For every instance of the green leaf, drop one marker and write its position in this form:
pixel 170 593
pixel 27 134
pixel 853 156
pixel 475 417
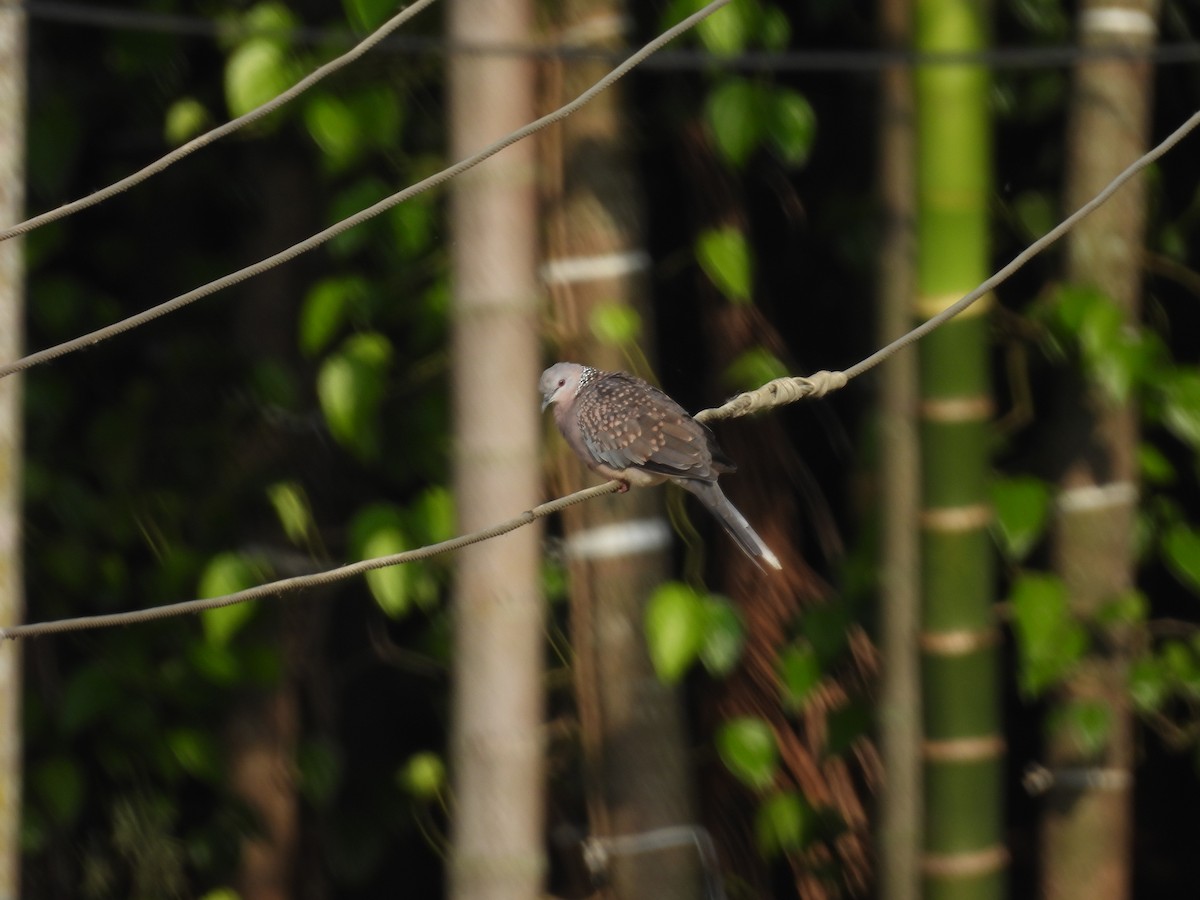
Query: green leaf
pixel 1148 684
pixel 432 516
pixel 423 776
pixel 726 31
pixel 1086 725
pixel 335 129
pixel 197 754
pixel 1130 607
pixel 1181 405
pixel 222 893
pixel 368 15
pixel 291 507
pixel 59 786
pixel 775 29
pixel 799 673
pixel 350 387
pixel 255 72
pixel 1181 547
pixel 724 636
pixel 1022 506
pixel 378 530
pixel 747 747
pixel 782 824
pixel 737 112
pixel 1049 640
pixel 791 126
pixel 326 308
pixel 413 223
pixel 228 573
pixel 725 257
pixel 753 369
pixel 363 193
pixel 675 620
pixel 185 119
pixel 1154 466
pixel 615 324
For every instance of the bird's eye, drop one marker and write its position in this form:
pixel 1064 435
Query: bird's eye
pixel 561 382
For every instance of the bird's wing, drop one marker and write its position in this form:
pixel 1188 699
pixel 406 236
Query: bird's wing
pixel 625 422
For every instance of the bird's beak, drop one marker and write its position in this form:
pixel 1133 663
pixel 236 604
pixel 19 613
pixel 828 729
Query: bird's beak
pixel 545 403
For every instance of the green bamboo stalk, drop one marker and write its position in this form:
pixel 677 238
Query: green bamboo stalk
pixel 962 749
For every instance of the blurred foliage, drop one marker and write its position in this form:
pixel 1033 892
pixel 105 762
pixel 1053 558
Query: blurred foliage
pixel 242 443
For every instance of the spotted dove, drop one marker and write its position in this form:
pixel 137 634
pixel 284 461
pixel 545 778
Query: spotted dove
pixel 632 432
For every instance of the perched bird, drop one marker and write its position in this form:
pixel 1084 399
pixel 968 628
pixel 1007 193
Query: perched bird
pixel 632 432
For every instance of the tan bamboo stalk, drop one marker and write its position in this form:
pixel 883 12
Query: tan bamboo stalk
pixel 12 296
pixel 496 750
pixel 636 768
pixel 1086 821
pixel 899 828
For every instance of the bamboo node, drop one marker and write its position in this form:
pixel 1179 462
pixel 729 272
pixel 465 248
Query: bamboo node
pixel 965 749
pixel 967 864
pixel 958 643
pixel 1039 779
pixel 956 518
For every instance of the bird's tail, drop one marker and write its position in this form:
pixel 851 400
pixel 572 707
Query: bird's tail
pixel 735 523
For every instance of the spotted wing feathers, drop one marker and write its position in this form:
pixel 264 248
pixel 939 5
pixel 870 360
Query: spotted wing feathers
pixel 625 422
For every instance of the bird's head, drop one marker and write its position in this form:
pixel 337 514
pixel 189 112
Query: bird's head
pixel 560 383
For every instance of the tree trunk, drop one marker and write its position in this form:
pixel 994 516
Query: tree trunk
pixel 12 203
pixel 899 829
pixel 1086 827
pixel 963 747
pixel 497 728
pixel 637 773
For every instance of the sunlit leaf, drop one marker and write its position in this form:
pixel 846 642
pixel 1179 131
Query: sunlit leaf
pixel 747 747
pixel 228 573
pixel 350 387
pixel 1181 547
pixel 675 621
pixel 423 776
pixel 254 73
pixel 185 119
pixel 737 115
pixel 326 308
pixel 754 368
pixel 368 15
pixel 615 324
pixel 726 259
pixel 335 129
pixel 1049 639
pixel 726 31
pixel 378 530
pixel 1181 413
pixel 432 515
pixel 782 824
pixel 791 126
pixel 291 507
pixel 724 636
pixel 1022 506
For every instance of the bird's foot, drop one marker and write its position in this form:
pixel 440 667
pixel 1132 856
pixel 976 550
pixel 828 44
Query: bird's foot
pixel 624 486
